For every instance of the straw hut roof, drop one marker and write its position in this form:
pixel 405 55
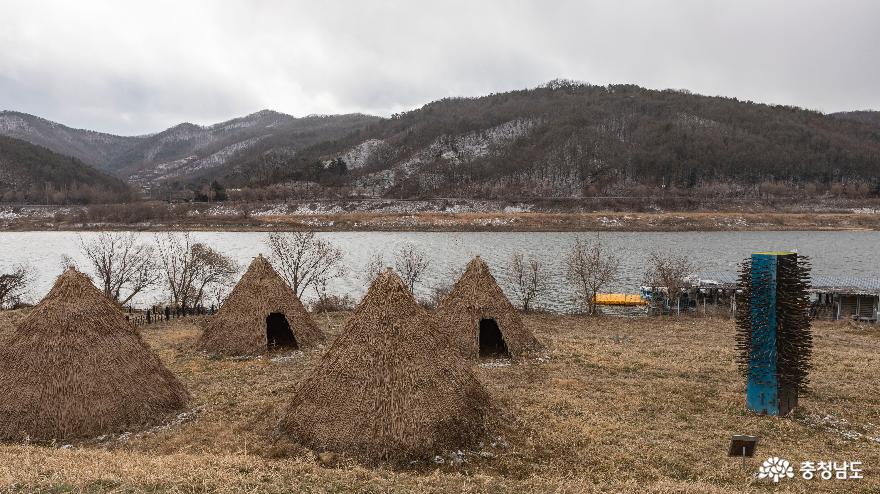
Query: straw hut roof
pixel 239 327
pixel 476 296
pixel 75 368
pixel 389 388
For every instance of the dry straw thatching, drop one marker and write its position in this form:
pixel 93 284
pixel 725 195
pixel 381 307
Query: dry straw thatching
pixel 389 388
pixel 75 368
pixel 477 296
pixel 239 327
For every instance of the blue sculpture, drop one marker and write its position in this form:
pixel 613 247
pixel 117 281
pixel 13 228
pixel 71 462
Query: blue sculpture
pixel 774 330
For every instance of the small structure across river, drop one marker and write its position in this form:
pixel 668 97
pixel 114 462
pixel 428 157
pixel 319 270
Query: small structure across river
pixel 831 297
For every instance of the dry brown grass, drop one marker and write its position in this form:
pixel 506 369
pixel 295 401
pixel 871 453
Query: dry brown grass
pixel 736 219
pixel 620 406
pixel 699 221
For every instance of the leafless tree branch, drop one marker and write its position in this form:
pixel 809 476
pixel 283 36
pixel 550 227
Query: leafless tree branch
pixel 305 260
pixel 669 272
pixel 589 267
pixel 122 266
pixel 192 270
pixel 14 284
pixel 373 267
pixel 528 278
pixel 411 263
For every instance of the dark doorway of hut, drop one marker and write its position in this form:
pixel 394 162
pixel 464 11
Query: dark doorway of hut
pixel 279 336
pixel 492 344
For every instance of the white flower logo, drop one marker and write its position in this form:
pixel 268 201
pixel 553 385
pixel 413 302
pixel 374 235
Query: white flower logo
pixel 775 468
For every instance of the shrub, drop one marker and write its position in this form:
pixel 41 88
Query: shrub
pixel 333 303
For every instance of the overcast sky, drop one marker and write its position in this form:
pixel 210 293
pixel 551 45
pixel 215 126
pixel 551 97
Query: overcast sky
pixel 135 67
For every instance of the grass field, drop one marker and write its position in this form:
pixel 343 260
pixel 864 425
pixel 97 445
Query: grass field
pixel 617 405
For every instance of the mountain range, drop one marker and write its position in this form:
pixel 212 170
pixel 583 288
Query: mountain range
pixel 185 151
pixel 563 139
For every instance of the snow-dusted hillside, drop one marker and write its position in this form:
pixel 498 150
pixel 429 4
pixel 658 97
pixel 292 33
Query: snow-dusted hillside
pixel 358 156
pixel 190 165
pixel 203 147
pixel 94 148
pixel 190 151
pixel 458 150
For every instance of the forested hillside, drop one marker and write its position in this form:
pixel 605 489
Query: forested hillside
pixel 569 140
pixel 868 117
pixel 34 174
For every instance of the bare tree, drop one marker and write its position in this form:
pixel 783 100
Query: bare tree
pixel 305 260
pixel 669 272
pixel 411 264
pixel 192 270
pixel 374 266
pixel 14 284
pixel 216 294
pixel 589 267
pixel 528 279
pixel 122 266
pixel 66 262
pixel 214 273
pixel 438 293
pixel 444 285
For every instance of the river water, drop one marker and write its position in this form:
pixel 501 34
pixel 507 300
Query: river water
pixel 832 253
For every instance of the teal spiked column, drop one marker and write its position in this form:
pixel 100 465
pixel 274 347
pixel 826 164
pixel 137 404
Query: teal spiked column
pixel 774 335
pixel 763 384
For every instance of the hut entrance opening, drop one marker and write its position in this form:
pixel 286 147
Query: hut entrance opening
pixel 278 332
pixel 492 344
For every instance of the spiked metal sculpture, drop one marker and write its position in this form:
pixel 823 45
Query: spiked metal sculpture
pixel 773 335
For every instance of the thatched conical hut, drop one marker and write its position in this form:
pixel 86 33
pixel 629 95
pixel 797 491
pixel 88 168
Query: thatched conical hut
pixel 389 388
pixel 482 319
pixel 75 368
pixel 260 314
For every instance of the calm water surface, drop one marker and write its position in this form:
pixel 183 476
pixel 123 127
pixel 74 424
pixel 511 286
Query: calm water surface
pixel 832 253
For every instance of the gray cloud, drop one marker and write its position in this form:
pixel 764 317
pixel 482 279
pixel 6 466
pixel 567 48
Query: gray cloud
pixel 132 68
